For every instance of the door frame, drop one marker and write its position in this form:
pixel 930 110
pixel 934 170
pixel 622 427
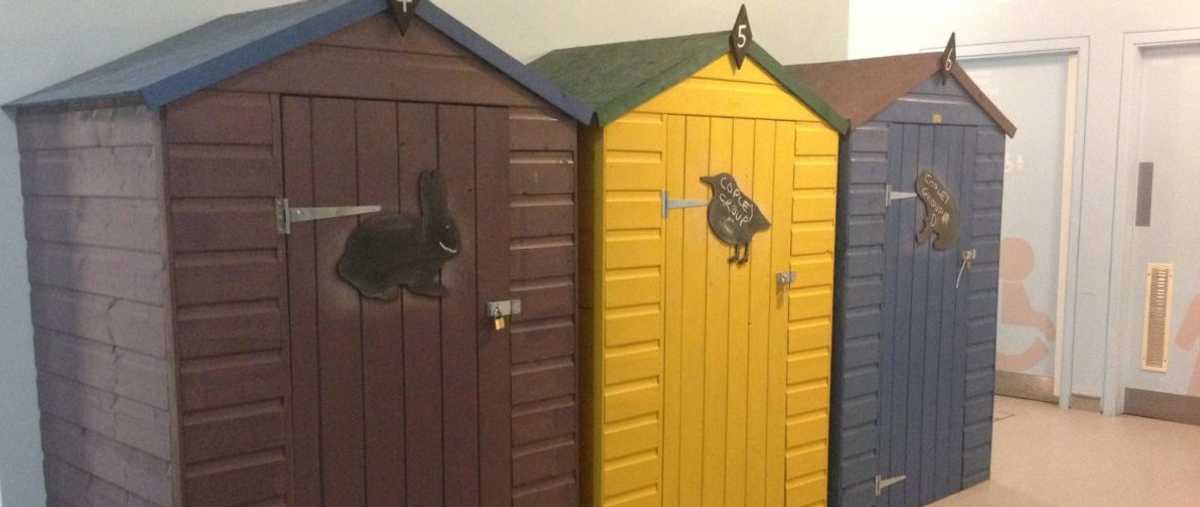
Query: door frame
pixel 1077 50
pixel 1120 346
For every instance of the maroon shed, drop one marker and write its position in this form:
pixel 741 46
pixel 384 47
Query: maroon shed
pixel 191 353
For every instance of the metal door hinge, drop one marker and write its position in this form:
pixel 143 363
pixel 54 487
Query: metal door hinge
pixel 882 484
pixel 669 204
pixel 285 215
pixel 893 195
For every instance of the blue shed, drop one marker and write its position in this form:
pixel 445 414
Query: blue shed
pixel 914 317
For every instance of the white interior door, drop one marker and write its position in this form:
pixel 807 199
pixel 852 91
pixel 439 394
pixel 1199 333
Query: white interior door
pixel 1168 136
pixel 1038 93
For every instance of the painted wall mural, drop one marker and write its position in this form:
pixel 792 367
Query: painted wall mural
pixel 1019 319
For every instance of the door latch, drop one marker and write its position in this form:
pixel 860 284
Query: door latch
pixel 286 215
pixel 502 311
pixel 968 259
pixel 785 279
pixel 882 484
pixel 892 195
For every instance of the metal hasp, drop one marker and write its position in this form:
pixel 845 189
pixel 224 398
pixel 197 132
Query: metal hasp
pixel 285 215
pixel 669 204
pixel 501 311
pixel 785 279
pixel 882 484
pixel 968 259
pixel 893 195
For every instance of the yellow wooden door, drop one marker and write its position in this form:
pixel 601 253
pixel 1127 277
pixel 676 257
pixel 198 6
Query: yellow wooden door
pixel 715 380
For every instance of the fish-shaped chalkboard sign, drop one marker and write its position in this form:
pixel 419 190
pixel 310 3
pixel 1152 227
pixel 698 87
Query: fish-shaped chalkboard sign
pixel 941 212
pixel 393 251
pixel 733 217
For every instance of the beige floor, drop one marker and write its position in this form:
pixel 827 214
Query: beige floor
pixel 1046 456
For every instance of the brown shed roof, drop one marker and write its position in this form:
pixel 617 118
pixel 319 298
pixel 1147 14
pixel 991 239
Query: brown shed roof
pixel 861 89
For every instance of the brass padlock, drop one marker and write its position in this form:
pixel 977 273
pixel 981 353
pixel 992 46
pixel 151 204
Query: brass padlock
pixel 499 322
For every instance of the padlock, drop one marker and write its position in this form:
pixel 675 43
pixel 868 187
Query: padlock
pixel 499 322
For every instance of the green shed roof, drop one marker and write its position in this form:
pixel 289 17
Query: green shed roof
pixel 617 78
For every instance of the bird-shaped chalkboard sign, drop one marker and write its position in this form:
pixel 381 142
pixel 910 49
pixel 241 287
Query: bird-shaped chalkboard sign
pixel 941 212
pixel 393 251
pixel 732 216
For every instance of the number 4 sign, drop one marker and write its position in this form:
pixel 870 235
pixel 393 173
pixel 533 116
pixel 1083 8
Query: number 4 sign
pixel 741 37
pixel 404 11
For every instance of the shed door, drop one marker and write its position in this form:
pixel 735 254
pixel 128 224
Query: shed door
pixel 407 401
pixel 922 387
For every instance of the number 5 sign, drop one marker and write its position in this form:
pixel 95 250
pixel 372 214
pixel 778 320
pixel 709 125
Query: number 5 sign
pixel 741 37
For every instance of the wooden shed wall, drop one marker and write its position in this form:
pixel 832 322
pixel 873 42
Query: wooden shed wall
pixel 224 168
pixel 93 190
pixel 860 289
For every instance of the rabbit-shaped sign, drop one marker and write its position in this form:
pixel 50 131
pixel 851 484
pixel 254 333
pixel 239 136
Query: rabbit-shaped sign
pixel 393 251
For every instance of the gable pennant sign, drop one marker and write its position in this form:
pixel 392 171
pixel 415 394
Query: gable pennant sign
pixel 404 11
pixel 741 37
pixel 949 58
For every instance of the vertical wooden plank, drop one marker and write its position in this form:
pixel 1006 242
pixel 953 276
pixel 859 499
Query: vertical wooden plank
pixel 695 266
pixel 946 359
pixel 936 298
pixel 739 329
pixel 339 327
pixel 417 138
pixel 339 323
pixel 761 295
pixel 383 323
pixel 495 364
pixel 957 402
pixel 302 311
pixel 889 400
pixel 460 382
pixel 777 349
pixel 716 333
pixel 916 383
pixel 907 217
pixel 676 158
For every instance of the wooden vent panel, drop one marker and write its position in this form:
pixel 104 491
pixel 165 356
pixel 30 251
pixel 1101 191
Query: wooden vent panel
pixel 1158 316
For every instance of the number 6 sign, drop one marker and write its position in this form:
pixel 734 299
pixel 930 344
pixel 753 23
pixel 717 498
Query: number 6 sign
pixel 741 37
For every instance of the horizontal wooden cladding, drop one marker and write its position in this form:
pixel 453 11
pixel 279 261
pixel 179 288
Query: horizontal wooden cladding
pixel 544 460
pixel 126 467
pixel 543 380
pixel 543 340
pixel 221 118
pixel 208 225
pixel 230 380
pixel 542 258
pixel 125 324
pixel 259 477
pixel 128 374
pixel 213 330
pixel 539 216
pixel 121 419
pixel 541 173
pixel 233 431
pixel 68 485
pixel 127 224
pixel 323 70
pixel 542 130
pixel 123 126
pixel 123 171
pixel 544 299
pixel 135 276
pixel 227 277
pixel 562 491
pixel 207 170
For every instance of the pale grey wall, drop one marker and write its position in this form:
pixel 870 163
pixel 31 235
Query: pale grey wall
pixel 881 27
pixel 45 41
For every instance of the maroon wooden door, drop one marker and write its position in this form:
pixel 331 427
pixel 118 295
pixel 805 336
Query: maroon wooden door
pixel 406 402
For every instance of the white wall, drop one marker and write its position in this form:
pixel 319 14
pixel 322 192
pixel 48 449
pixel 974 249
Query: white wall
pixel 880 27
pixel 43 42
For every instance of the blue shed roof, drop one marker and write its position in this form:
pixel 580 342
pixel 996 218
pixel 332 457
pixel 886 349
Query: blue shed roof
pixel 194 60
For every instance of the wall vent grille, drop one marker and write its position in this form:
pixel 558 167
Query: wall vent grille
pixel 1159 279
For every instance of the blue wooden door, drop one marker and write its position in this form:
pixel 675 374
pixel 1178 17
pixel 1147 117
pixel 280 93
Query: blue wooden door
pixel 922 356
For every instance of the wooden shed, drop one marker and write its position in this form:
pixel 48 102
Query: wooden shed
pixel 914 345
pixel 708 381
pixel 191 352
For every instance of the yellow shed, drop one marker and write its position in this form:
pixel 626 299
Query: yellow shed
pixel 706 380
